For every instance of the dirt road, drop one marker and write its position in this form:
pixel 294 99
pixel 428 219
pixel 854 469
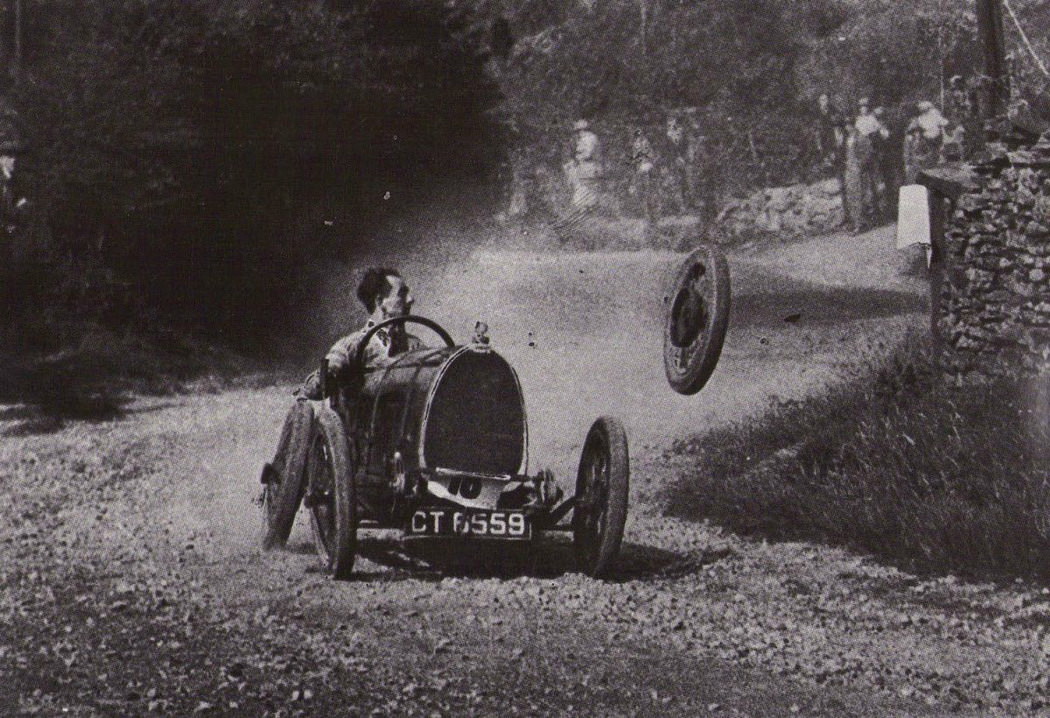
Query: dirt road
pixel 132 582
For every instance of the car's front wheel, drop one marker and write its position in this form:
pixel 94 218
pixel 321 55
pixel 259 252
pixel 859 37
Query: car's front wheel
pixel 602 485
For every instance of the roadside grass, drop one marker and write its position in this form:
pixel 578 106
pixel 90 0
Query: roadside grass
pixel 894 461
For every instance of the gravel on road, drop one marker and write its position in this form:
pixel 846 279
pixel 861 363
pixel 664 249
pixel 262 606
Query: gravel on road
pixel 131 582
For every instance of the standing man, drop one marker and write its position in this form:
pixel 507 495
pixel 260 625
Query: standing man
pixel 830 137
pixel 643 164
pixel 676 163
pixel 705 186
pixel 932 123
pixel 854 151
pixel 586 166
pixel 870 134
pixel 583 173
pixel 887 160
pixel 10 148
pixel 915 152
pixel 923 150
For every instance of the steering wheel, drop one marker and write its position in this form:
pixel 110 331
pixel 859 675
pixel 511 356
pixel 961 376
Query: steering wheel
pixel 430 324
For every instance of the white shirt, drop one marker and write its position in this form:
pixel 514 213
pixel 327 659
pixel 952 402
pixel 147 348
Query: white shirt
pixel 932 123
pixel 868 125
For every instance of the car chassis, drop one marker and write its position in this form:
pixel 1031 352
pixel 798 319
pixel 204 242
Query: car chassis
pixel 435 443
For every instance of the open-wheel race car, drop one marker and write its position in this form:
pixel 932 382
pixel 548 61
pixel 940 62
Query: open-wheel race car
pixel 435 443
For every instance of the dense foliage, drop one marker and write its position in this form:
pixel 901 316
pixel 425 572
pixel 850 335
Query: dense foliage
pixel 186 154
pixel 749 71
pixel 188 157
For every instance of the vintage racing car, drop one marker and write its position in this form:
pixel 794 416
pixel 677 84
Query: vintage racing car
pixel 436 444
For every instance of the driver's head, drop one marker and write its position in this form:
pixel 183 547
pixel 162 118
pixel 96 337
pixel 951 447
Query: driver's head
pixel 383 289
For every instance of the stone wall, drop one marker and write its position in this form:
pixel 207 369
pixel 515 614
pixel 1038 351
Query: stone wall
pixel 994 309
pixel 794 210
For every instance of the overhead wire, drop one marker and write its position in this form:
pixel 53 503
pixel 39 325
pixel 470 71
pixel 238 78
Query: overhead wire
pixel 1024 38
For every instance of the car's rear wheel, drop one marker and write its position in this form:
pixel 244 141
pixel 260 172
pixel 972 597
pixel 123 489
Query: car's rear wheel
pixel 602 485
pixel 283 477
pixel 332 495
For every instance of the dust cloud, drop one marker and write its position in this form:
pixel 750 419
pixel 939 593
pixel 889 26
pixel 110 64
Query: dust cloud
pixel 584 333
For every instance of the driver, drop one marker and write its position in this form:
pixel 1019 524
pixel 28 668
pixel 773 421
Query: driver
pixel 385 294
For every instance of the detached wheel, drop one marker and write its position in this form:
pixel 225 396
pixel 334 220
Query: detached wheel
pixel 697 318
pixel 332 495
pixel 602 483
pixel 283 477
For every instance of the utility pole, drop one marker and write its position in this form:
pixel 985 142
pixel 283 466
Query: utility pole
pixel 996 91
pixel 643 9
pixel 16 65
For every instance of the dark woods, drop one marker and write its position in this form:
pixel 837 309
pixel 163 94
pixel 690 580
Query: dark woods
pixel 187 158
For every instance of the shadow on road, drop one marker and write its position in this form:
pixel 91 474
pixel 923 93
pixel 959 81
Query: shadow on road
pixel 48 418
pixel 552 557
pixel 781 299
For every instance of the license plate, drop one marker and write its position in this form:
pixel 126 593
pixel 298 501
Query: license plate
pixel 513 525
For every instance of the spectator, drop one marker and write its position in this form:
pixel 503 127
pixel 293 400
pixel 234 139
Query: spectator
pixel 867 123
pixel 887 160
pixel 856 147
pixel 961 101
pixel 911 151
pixel 892 159
pixel 962 136
pixel 924 150
pixel 11 204
pixel 584 169
pixel 830 136
pixel 694 147
pixel 871 133
pixel 675 164
pixel 932 123
pixel 919 152
pixel 954 143
pixel 583 173
pixel 706 184
pixel 643 181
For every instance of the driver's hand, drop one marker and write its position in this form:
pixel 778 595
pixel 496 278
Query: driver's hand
pixel 311 388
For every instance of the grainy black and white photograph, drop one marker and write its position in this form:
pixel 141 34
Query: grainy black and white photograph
pixel 524 358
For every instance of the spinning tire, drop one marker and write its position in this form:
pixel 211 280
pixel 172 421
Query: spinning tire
pixel 697 318
pixel 602 485
pixel 283 477
pixel 333 500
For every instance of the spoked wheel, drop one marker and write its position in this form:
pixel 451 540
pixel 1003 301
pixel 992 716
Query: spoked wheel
pixel 602 484
pixel 697 319
pixel 283 477
pixel 332 495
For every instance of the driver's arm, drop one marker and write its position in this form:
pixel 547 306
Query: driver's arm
pixel 339 355
pixel 338 359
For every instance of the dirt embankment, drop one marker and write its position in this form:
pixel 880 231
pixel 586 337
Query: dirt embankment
pixel 132 582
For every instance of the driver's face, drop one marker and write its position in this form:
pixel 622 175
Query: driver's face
pixel 398 302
